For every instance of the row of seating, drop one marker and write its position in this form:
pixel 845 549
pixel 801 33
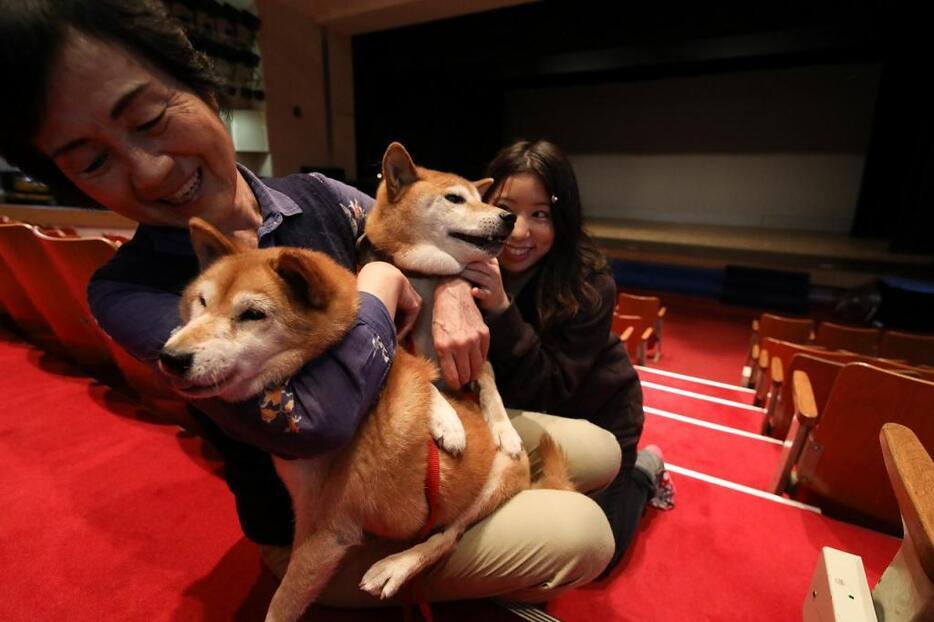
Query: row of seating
pixel 638 322
pixel 830 457
pixel 44 274
pixel 828 406
pixel 909 348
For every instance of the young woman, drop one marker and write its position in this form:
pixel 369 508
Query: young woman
pixel 110 99
pixel 549 301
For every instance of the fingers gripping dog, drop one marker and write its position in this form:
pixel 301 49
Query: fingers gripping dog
pixel 430 225
pixel 254 318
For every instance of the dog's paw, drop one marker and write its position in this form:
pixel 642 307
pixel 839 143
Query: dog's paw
pixel 448 432
pixel 507 438
pixel 385 577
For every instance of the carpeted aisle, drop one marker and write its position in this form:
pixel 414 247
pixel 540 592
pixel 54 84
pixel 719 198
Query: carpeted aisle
pixel 721 556
pixel 105 516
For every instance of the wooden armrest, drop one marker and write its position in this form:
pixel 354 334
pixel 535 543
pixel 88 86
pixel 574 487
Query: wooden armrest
pixel 763 359
pixel 626 334
pixel 911 472
pixel 755 351
pixel 755 326
pixel 661 312
pixel 803 396
pixel 778 372
pixel 647 334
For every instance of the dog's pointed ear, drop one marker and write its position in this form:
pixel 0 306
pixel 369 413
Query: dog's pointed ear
pixel 209 243
pixel 398 170
pixel 482 185
pixel 304 278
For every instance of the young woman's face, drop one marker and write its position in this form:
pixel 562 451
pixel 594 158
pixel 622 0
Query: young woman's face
pixel 534 233
pixel 135 141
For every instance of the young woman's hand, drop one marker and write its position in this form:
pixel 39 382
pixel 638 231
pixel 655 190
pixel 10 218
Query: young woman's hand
pixel 488 285
pixel 387 283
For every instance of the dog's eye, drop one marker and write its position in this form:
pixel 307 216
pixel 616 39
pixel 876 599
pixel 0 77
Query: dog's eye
pixel 251 315
pixel 201 300
pixel 455 198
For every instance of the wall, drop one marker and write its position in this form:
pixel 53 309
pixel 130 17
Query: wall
pixel 291 46
pixel 779 148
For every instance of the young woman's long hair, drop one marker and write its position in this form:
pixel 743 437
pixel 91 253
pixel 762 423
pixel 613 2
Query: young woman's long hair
pixel 573 260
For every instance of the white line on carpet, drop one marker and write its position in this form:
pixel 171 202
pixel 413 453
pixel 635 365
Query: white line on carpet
pixel 698 380
pixel 701 396
pixel 755 492
pixel 708 424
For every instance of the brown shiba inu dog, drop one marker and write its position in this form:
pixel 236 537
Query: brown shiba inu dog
pixel 432 224
pixel 251 320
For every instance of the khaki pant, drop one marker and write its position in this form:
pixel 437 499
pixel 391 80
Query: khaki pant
pixel 537 545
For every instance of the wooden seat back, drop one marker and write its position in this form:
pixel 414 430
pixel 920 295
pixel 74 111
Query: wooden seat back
pixel 840 467
pixel 16 304
pixel 913 348
pixel 635 331
pixel 850 338
pixel 795 330
pixel 782 354
pixel 77 259
pixel 30 266
pixel 645 306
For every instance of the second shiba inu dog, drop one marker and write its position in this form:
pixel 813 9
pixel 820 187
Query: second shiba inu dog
pixel 250 321
pixel 430 225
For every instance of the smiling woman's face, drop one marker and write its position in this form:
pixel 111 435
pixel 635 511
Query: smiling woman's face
pixel 137 142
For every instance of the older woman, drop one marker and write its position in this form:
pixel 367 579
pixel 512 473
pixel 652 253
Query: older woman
pixel 110 99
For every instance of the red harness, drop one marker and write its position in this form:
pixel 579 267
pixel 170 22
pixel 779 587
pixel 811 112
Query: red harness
pixel 432 491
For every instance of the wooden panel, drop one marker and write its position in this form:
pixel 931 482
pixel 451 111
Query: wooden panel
pixel 77 259
pixel 911 472
pixel 838 337
pixel 916 349
pixel 841 468
pixel 27 262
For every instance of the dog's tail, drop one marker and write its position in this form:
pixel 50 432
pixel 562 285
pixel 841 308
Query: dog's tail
pixel 555 474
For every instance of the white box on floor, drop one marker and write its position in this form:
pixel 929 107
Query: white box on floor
pixel 839 591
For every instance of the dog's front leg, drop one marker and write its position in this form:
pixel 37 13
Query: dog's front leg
pixel 311 566
pixel 446 427
pixel 495 415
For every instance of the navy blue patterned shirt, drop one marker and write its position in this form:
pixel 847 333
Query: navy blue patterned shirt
pixel 135 298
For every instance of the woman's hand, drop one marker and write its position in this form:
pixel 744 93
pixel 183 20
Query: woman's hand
pixel 488 281
pixel 387 283
pixel 460 335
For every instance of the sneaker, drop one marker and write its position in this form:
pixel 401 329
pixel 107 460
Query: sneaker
pixel 651 462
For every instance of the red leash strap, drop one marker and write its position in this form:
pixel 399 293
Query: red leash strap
pixel 432 492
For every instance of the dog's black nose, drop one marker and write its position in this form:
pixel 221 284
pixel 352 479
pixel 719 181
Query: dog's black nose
pixel 508 217
pixel 176 364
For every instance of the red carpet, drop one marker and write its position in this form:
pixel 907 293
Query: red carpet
pixel 737 416
pixel 107 517
pixel 746 461
pixel 721 556
pixel 704 339
pixel 690 383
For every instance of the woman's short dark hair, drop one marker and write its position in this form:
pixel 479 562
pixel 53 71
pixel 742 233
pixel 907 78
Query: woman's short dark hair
pixel 574 259
pixel 32 35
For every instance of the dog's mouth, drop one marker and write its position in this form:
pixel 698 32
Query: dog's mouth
pixel 193 389
pixel 489 243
